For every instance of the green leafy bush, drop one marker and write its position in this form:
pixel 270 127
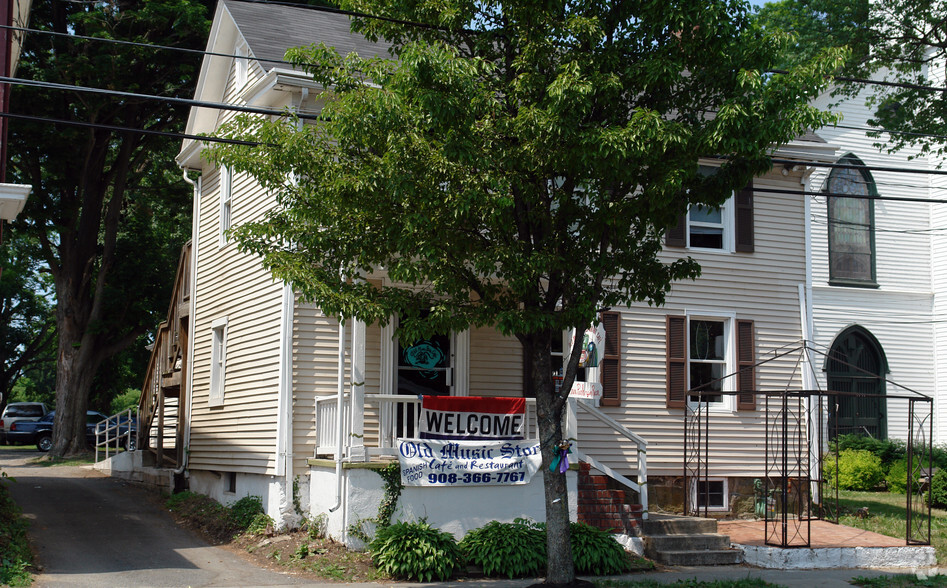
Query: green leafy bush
pixel 506 549
pixel 261 524
pixel 938 489
pixel 897 477
pixel 244 511
pixel 596 552
pixel 888 451
pixel 415 551
pixel 15 555
pixel 858 469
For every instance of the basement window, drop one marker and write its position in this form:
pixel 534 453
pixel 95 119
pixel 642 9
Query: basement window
pixel 231 482
pixel 710 493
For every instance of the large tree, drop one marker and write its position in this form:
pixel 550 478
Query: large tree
pixel 107 208
pixel 903 42
pixel 516 166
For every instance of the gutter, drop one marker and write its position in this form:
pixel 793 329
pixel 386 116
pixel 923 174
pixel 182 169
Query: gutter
pixel 192 323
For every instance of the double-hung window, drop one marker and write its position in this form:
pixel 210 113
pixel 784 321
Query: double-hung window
pixel 728 227
pixel 226 203
pixel 218 362
pixel 710 359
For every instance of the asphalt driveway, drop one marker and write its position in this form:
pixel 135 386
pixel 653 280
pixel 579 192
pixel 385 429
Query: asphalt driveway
pixel 92 530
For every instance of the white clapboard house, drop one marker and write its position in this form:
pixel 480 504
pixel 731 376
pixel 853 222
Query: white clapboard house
pixel 252 392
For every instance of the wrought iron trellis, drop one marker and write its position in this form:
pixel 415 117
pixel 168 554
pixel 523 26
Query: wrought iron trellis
pixel 793 489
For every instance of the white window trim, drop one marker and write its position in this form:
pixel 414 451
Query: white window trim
pixel 218 362
pixel 729 401
pixel 726 495
pixel 727 222
pixel 226 204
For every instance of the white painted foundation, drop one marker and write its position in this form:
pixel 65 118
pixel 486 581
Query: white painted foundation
pixel 911 557
pixel 275 493
pixel 455 510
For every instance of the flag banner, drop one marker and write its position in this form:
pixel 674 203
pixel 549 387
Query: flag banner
pixel 472 418
pixel 432 462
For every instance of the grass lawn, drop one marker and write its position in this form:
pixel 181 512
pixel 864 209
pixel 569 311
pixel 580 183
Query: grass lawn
pixel 887 516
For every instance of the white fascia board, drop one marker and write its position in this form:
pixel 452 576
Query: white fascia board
pixel 13 199
pixel 262 93
pixel 807 151
pixel 212 80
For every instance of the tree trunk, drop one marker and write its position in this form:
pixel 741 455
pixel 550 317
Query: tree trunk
pixel 75 368
pixel 560 568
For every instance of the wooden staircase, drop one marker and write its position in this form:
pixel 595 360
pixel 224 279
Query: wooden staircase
pixel 161 408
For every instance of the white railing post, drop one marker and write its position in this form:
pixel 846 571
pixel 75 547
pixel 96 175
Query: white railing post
pixel 356 415
pixel 571 424
pixel 643 481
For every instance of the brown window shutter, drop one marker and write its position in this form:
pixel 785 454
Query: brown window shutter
pixel 676 361
pixel 744 219
pixel 746 364
pixel 676 236
pixel 610 364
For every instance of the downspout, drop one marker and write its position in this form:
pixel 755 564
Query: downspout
pixel 340 417
pixel 192 324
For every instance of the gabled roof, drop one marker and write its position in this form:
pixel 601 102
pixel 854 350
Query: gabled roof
pixel 268 31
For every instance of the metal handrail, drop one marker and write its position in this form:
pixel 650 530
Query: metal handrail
pixel 127 439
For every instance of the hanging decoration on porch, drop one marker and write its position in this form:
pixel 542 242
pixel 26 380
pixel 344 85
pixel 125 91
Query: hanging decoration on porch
pixel 561 461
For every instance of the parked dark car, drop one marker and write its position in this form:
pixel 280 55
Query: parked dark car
pixel 41 432
pixel 19 411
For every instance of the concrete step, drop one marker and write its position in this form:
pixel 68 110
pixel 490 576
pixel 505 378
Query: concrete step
pixel 715 557
pixel 658 524
pixel 701 542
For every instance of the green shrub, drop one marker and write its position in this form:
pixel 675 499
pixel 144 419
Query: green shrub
pixel 415 551
pixel 938 489
pixel 596 552
pixel 260 524
pixel 15 555
pixel 897 477
pixel 858 469
pixel 506 549
pixel 888 451
pixel 244 511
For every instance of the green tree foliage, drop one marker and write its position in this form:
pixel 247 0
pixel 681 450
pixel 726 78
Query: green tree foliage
pixel 517 167
pixel 108 209
pixel 27 322
pixel 900 41
pixel 815 25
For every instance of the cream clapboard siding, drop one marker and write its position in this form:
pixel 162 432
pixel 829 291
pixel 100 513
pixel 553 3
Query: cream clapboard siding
pixel 761 286
pixel 239 436
pixel 315 373
pixel 899 312
pixel 496 364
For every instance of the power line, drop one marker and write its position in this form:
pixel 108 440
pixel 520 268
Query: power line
pixel 851 196
pixel 169 99
pixel 118 129
pixel 849 79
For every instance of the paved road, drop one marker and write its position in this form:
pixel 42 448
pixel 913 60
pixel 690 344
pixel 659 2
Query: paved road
pixel 91 530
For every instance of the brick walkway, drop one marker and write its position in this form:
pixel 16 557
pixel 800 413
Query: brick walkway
pixel 822 534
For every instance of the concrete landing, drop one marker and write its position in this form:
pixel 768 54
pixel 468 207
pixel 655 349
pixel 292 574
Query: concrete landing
pixel 831 546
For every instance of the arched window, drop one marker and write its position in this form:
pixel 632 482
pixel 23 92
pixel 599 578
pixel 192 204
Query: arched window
pixel 851 225
pixel 855 372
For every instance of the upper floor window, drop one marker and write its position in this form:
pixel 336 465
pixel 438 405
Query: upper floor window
pixel 226 202
pixel 728 227
pixel 851 228
pixel 241 65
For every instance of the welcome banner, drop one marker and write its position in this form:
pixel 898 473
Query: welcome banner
pixel 472 418
pixel 430 462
